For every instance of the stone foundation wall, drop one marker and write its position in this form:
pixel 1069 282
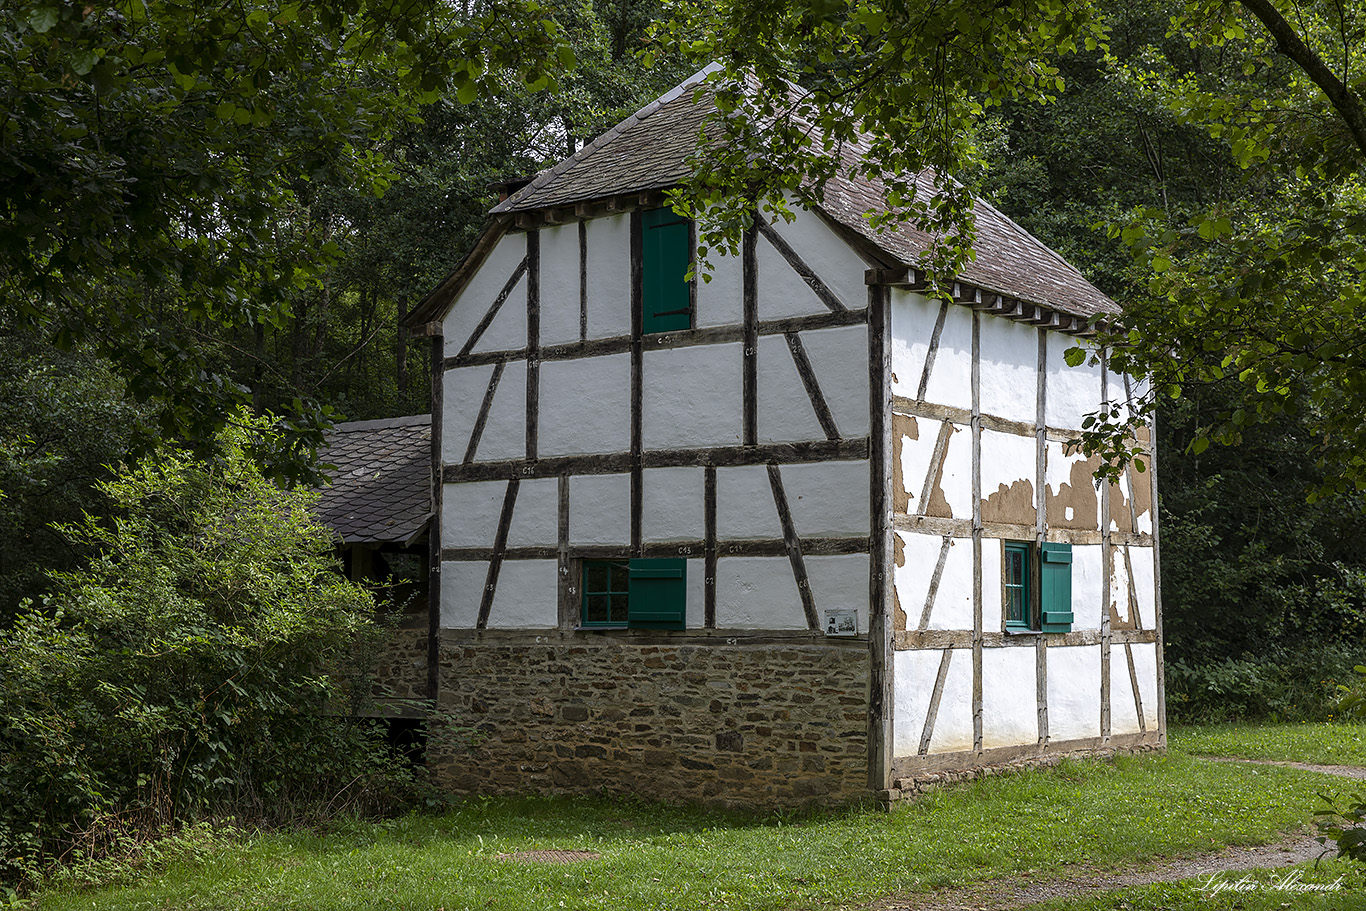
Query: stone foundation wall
pixel 400 675
pixel 725 721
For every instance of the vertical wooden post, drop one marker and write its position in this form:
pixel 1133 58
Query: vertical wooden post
pixel 879 539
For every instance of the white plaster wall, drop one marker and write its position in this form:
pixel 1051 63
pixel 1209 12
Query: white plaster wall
pixel 560 284
pixel 744 504
pixel 462 586
pixel 674 504
pixel 692 396
pixel 951 378
pixel 462 396
pixel 526 596
pixel 609 276
pixel 757 593
pixel 1145 665
pixel 600 509
pixel 1010 356
pixel 1141 558
pixel 784 410
pixel 1009 704
pixel 1059 469
pixel 839 581
pixel 721 300
pixel 1088 592
pixel 1006 459
pixel 913 685
pixel 782 292
pixel 839 358
pixel 473 302
pixel 585 406
pixel 1119 584
pixel 1142 482
pixel 956 478
pixel 536 514
pixel 827 498
pixel 1073 392
pixel 504 434
pixel 470 511
pixel 1123 717
pixel 508 331
pixel 993 599
pixel 1073 691
pixel 953 600
pixel 913 319
pixel 827 254
pixel 695 612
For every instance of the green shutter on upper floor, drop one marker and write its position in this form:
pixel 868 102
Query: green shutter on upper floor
pixel 659 596
pixel 666 250
pixel 1055 587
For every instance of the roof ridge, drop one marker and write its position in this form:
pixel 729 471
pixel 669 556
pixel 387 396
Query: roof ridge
pixel 406 420
pixel 604 138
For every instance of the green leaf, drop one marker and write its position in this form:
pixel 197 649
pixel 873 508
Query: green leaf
pixel 44 19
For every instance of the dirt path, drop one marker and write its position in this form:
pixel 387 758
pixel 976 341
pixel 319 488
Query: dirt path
pixel 1022 892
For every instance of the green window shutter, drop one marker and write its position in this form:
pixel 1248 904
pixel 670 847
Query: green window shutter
pixel 1055 584
pixel 658 593
pixel 666 249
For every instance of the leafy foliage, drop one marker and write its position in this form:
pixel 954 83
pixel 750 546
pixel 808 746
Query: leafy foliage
pixel 184 668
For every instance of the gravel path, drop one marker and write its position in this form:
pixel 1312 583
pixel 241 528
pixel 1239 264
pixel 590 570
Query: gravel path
pixel 1022 892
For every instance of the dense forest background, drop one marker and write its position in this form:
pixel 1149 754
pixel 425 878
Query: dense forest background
pixel 119 340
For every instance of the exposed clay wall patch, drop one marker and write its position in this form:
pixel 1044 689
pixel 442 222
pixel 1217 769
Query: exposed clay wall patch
pixel 1012 505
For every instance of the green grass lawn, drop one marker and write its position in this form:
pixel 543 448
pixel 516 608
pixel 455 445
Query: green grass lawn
pixel 1327 743
pixel 1105 814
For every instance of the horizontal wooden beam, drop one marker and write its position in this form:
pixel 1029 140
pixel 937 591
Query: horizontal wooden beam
pixel 756 547
pixel 934 639
pixel 939 526
pixel 620 462
pixel 909 767
pixel 712 638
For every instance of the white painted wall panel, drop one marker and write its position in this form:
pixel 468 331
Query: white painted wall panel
pixel 782 292
pixel 473 302
pixel 600 509
pixel 462 586
pixel 674 504
pixel 784 409
pixel 1010 356
pixel 507 332
pixel 720 301
pixel 956 478
pixel 913 319
pixel 470 511
pixel 1088 592
pixel 526 595
pixel 1073 692
pixel 536 515
pixel 993 600
pixel 1145 665
pixel 953 599
pixel 585 406
pixel 1119 584
pixel 757 593
pixel 953 724
pixel 1073 392
pixel 1008 469
pixel 827 498
pixel 609 276
pixel 560 284
pixel 1123 717
pixel 1141 558
pixel 840 581
pixel 462 397
pixel 913 674
pixel 504 434
pixel 828 255
pixel 744 504
pixel 951 379
pixel 915 459
pixel 839 358
pixel 692 396
pixel 695 612
pixel 1009 704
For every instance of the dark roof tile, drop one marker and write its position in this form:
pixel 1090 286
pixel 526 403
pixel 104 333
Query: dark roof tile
pixel 381 486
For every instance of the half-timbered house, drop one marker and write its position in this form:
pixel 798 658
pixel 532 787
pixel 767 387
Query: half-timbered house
pixel 796 534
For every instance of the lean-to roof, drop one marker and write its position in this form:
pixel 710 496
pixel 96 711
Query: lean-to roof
pixel 381 488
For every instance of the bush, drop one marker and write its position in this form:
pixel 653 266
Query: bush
pixel 1283 684
pixel 182 672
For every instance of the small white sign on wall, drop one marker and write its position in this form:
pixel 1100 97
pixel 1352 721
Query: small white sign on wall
pixel 840 621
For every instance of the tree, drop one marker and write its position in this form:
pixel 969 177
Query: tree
pixel 1261 289
pixel 145 148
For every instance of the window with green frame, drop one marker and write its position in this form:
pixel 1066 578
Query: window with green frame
pixel 635 594
pixel 1036 586
pixel 666 257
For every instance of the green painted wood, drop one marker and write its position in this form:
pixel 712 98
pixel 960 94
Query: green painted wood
pixel 1018 582
pixel 666 257
pixel 1055 587
pixel 659 596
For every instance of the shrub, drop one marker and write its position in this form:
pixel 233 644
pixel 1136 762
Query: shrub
pixel 183 671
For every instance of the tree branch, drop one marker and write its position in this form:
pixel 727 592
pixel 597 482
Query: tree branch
pixel 1291 45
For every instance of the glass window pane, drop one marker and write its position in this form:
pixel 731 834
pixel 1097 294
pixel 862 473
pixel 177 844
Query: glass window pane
pixel 596 609
pixel 595 577
pixel 621 577
pixel 619 609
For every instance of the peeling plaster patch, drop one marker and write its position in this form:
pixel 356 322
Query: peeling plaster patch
pixel 1118 601
pixel 1143 497
pixel 1013 504
pixel 1120 520
pixel 954 487
pixel 898 615
pixel 1075 502
pixel 904 428
pixel 1008 466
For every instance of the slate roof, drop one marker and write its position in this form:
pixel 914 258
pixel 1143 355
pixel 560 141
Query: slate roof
pixel 649 151
pixel 381 486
